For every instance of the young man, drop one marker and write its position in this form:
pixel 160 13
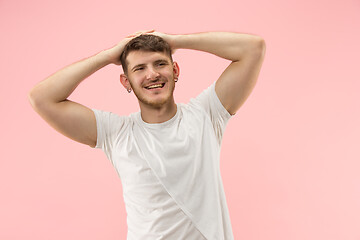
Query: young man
pixel 167 155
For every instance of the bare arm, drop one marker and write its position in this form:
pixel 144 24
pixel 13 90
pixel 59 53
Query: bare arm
pixel 49 97
pixel 246 53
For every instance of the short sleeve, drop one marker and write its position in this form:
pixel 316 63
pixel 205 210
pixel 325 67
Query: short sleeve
pixel 212 105
pixel 109 126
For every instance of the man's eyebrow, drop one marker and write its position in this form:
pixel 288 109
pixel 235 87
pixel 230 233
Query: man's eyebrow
pixel 139 65
pixel 155 62
pixel 161 60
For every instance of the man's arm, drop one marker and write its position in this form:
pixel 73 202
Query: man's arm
pixel 246 53
pixel 49 97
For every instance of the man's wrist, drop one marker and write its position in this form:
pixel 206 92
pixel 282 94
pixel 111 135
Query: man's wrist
pixel 103 58
pixel 175 41
pixel 184 41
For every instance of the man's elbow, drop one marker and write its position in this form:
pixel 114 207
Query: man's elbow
pixel 32 97
pixel 36 99
pixel 260 46
pixel 255 49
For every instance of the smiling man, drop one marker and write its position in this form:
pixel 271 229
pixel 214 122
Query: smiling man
pixel 167 154
pixel 150 74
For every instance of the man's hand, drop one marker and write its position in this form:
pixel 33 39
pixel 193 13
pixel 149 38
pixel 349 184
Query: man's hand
pixel 113 54
pixel 169 38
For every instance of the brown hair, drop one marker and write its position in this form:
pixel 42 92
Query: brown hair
pixel 145 42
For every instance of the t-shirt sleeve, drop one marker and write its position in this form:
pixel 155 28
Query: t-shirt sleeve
pixel 109 127
pixel 212 105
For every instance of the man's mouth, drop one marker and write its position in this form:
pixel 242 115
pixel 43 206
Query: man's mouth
pixel 154 86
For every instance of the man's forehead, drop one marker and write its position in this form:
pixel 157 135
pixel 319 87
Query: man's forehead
pixel 142 57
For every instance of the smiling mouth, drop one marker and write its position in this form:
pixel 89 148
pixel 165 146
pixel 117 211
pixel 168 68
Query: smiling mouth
pixel 155 86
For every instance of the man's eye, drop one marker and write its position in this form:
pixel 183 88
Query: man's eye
pixel 140 68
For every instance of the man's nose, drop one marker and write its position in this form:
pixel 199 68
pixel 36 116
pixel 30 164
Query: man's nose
pixel 152 73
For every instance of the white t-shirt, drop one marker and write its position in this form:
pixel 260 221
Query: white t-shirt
pixel 170 171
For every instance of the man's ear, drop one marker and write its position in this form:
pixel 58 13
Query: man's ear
pixel 125 81
pixel 176 70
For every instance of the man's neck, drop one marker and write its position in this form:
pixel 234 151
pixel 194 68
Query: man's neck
pixel 160 114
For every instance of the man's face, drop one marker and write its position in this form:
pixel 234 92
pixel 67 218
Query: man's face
pixel 151 76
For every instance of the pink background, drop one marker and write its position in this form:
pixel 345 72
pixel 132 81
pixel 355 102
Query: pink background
pixel 290 157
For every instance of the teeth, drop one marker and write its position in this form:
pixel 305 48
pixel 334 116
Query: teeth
pixel 154 86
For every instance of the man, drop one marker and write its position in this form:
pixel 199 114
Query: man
pixel 167 155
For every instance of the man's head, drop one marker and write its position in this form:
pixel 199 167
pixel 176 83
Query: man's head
pixel 149 70
pixel 147 43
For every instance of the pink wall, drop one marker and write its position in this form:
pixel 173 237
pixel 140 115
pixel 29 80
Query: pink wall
pixel 290 157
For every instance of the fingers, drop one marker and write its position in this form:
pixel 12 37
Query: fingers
pixel 140 32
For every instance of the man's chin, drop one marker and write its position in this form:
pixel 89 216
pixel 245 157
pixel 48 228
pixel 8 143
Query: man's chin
pixel 154 101
pixel 154 104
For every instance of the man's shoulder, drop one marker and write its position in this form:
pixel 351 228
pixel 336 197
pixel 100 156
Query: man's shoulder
pixel 201 101
pixel 113 114
pixel 192 108
pixel 114 119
